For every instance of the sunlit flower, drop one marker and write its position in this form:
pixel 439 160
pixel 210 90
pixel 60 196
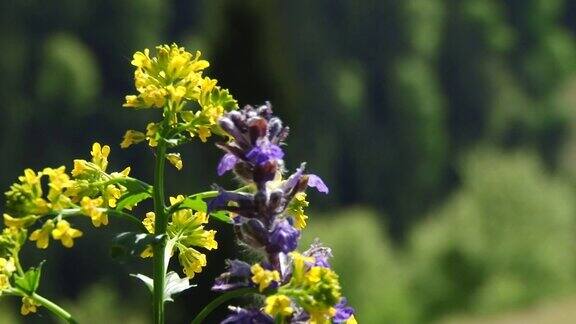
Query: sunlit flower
pixel 65 233
pixel 175 160
pixel 29 305
pixel 262 277
pixel 149 222
pixel 91 208
pixel 192 261
pixel 278 305
pixel 132 137
pixel 42 235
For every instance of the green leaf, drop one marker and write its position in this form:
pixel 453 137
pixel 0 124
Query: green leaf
pixel 132 244
pixel 133 185
pixel 30 281
pixel 174 284
pixel 222 216
pixel 130 200
pixel 194 203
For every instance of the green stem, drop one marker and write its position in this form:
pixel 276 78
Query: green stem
pixel 219 301
pixel 57 310
pixel 161 223
pixel 49 305
pixel 71 212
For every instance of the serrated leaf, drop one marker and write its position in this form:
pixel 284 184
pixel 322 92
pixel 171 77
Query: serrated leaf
pixel 132 244
pixel 130 200
pixel 174 284
pixel 30 281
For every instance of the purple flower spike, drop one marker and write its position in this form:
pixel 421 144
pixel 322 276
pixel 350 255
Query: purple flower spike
pixel 284 238
pixel 314 181
pixel 227 163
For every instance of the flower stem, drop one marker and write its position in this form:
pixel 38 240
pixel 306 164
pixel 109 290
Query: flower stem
pixel 219 301
pixel 161 223
pixel 55 309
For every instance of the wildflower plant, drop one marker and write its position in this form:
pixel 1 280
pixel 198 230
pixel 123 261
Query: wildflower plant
pixel 267 211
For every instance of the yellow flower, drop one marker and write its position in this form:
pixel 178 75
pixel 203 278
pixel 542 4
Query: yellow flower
pixel 278 305
pixel 30 177
pixel 299 266
pixel 19 222
pixel 7 266
pixel 80 167
pixel 132 137
pixel 176 200
pixel 204 133
pixel 147 253
pixel 177 93
pixel 42 235
pixel 100 155
pixel 111 195
pixel 131 102
pixel 263 277
pixel 296 209
pixel 28 306
pixel 142 60
pixel 91 208
pixel 192 261
pixel 351 320
pixel 149 221
pixel 65 233
pixel 151 131
pixel 175 160
pixel 4 282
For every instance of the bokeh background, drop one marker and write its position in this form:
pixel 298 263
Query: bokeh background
pixel 446 130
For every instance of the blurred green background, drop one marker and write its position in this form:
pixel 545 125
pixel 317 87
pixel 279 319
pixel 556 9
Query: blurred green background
pixel 445 129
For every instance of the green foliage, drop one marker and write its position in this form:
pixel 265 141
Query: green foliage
pixel 370 273
pixel 504 240
pixel 68 74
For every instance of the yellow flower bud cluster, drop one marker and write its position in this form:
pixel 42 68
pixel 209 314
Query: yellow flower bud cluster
pixel 314 288
pixel 88 190
pixel 186 232
pixel 173 80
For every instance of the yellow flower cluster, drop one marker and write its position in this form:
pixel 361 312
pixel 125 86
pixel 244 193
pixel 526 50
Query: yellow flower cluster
pixel 89 190
pixel 186 231
pixel 7 267
pixel 62 231
pixel 29 305
pixel 173 80
pixel 316 289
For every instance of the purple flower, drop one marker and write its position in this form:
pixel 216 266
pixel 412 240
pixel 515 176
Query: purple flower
pixel 227 163
pixel 314 181
pixel 247 316
pixel 238 275
pixel 320 253
pixel 343 311
pixel 283 238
